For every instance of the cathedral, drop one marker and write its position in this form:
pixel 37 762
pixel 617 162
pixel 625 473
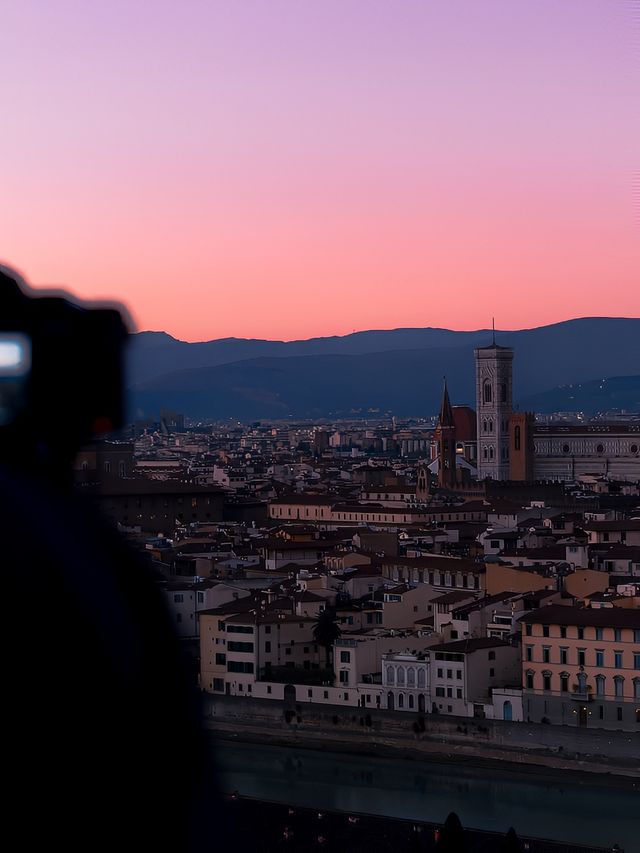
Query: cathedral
pixel 499 444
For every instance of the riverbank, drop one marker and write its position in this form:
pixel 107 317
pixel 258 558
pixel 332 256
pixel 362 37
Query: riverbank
pixel 269 827
pixel 625 772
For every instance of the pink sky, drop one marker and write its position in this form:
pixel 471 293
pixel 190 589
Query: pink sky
pixel 292 168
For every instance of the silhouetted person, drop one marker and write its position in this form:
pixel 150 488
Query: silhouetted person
pixel 102 746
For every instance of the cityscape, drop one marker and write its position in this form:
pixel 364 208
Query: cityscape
pixel 467 582
pixel 320 426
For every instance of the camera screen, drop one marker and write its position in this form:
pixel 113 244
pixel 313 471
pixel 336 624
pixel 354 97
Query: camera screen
pixel 15 365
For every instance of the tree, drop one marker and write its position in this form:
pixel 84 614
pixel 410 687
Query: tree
pixel 326 631
pixel 511 844
pixel 452 838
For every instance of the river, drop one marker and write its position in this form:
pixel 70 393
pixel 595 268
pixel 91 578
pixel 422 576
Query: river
pixel 591 812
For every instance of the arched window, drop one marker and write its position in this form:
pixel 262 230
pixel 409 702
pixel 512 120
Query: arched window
pixel 582 682
pixel 564 682
pixel 391 673
pixel 400 675
pixel 618 681
pixel 529 678
pixel 411 677
pixel 421 678
pixel 490 422
pixel 400 699
pixel 487 392
pixel 107 467
pixel 484 452
pixel 600 682
pixel 85 465
pixel 636 688
pixel 411 700
pixel 516 438
pixel 491 453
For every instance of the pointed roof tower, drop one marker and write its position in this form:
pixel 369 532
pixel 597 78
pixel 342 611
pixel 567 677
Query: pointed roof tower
pixel 446 412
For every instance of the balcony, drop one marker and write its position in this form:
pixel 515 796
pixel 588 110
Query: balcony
pixel 582 696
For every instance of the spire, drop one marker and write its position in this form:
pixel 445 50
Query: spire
pixel 493 327
pixel 446 412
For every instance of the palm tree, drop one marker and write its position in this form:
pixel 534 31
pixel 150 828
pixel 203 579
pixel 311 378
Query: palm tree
pixel 326 631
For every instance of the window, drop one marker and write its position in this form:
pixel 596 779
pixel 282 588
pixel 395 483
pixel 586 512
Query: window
pixel 599 633
pixel 503 392
pixel 527 628
pixel 221 659
pixel 636 688
pixel 390 675
pixel 411 677
pixel 439 691
pixel 582 653
pixel 459 674
pixel 492 672
pixel 617 659
pixel 617 635
pixel 201 598
pixel 401 675
pixel 636 660
pixel 345 657
pixel 563 632
pixel 267 646
pixel 619 710
pixel 492 655
pixel 234 646
pixel 545 630
pixel 240 666
pixel 529 679
pixel 178 598
pixel 546 680
pixel 546 654
pixel 564 682
pixel 440 673
pixel 600 657
pixel 600 682
pixel 344 676
pixel 618 682
pixel 449 673
pixel 516 438
pixel 459 693
pixel 563 654
pixel 487 392
pixel 581 633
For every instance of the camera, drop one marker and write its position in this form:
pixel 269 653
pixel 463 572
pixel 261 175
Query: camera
pixel 61 374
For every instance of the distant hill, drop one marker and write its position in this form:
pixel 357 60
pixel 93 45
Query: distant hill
pixel 399 370
pixel 599 395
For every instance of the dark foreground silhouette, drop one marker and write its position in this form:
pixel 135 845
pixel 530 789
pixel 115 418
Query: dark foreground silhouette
pixel 102 746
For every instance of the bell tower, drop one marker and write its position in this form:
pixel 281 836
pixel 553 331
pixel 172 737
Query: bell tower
pixel 445 438
pixel 494 379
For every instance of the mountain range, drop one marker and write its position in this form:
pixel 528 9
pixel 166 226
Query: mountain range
pixel 589 364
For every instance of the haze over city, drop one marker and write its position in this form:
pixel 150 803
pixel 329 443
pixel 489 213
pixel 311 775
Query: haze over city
pixel 288 170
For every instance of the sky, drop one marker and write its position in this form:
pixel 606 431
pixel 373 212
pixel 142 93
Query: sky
pixel 297 168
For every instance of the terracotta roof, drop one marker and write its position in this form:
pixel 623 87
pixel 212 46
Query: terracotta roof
pixel 558 614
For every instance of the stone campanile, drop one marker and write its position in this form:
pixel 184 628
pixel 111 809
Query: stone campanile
pixel 494 370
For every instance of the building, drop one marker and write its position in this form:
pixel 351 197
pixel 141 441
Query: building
pixel 581 666
pixel 494 366
pixel 572 451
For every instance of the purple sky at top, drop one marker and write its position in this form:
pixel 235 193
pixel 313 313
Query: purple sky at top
pixel 289 168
